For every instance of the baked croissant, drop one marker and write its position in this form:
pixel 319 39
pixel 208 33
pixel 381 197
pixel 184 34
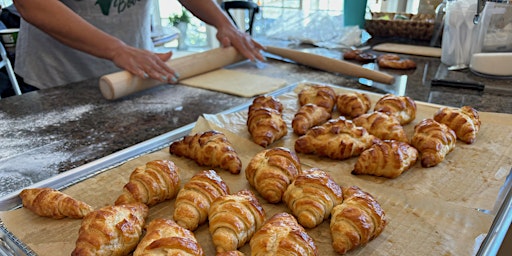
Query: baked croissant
pixel 266 125
pixel 401 107
pixel 194 199
pixel 266 101
pixel 320 95
pixel 233 220
pixel 337 139
pixel 111 230
pixel 157 181
pixel 465 122
pixel 210 148
pixel 433 140
pixel 356 221
pixel 388 158
pixel 308 116
pixel 311 197
pixel 282 235
pixel 48 202
pixel 165 237
pixel 353 104
pixel 271 171
pixel 230 253
pixel 382 126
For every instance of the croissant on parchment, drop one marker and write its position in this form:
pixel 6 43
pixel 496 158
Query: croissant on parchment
pixel 266 101
pixel 157 181
pixel 266 125
pixel 401 107
pixel 311 197
pixel 356 221
pixel 282 235
pixel 433 140
pixel 337 139
pixel 48 202
pixel 465 122
pixel 271 171
pixel 210 148
pixel 233 220
pixel 111 230
pixel 165 237
pixel 320 95
pixel 308 116
pixel 382 125
pixel 194 199
pixel 352 104
pixel 388 158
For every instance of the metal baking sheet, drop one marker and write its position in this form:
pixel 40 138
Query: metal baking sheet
pixel 11 245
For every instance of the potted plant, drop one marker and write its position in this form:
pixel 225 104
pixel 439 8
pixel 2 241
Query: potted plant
pixel 180 21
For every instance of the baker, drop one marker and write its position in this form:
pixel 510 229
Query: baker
pixel 62 42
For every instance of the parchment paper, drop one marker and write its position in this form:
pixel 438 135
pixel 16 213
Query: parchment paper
pixel 431 211
pixel 235 82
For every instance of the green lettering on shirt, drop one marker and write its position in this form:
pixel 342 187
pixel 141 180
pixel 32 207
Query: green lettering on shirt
pixel 121 5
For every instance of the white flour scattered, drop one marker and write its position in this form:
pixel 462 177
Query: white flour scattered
pixel 16 133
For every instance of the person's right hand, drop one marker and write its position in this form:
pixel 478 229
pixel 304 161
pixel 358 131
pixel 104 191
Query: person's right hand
pixel 145 64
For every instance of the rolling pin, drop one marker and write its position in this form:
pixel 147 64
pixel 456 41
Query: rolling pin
pixel 123 83
pixel 331 65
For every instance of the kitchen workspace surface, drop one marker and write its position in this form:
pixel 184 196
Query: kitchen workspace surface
pixel 50 132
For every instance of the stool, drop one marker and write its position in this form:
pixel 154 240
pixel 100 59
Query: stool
pixel 5 62
pixel 252 7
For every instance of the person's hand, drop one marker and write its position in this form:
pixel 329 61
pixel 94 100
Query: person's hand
pixel 145 64
pixel 243 42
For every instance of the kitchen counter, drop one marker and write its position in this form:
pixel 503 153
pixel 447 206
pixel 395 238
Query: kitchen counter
pixel 46 132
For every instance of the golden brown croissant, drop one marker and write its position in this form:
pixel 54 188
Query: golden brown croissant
pixel 433 140
pixel 356 221
pixel 311 197
pixel 465 122
pixel 233 220
pixel 266 101
pixel 111 230
pixel 266 126
pixel 230 253
pixel 382 125
pixel 401 107
pixel 210 148
pixel 165 237
pixel 353 104
pixel 48 202
pixel 282 235
pixel 271 171
pixel 157 181
pixel 337 139
pixel 388 158
pixel 320 95
pixel 308 116
pixel 194 199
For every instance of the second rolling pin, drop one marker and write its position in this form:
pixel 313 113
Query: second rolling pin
pixel 122 83
pixel 331 65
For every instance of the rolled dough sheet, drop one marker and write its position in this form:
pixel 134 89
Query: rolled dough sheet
pixel 235 82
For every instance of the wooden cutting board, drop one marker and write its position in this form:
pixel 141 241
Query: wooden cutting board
pixel 409 49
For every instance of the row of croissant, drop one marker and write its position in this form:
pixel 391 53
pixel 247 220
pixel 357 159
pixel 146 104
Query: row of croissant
pixel 234 219
pixel 377 137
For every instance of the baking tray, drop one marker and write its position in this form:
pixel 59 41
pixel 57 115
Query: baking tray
pixel 11 245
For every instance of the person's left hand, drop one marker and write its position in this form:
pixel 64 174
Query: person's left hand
pixel 243 42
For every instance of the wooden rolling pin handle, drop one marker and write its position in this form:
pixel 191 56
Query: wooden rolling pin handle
pixel 331 65
pixel 123 83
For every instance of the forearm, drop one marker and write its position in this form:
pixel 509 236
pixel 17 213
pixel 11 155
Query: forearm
pixel 58 21
pixel 208 11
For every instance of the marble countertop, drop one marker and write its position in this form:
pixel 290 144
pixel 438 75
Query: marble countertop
pixel 46 132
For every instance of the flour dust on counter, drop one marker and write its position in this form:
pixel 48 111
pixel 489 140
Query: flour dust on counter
pixel 28 141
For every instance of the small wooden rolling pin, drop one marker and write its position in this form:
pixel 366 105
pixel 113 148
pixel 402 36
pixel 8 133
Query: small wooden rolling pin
pixel 331 65
pixel 122 83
